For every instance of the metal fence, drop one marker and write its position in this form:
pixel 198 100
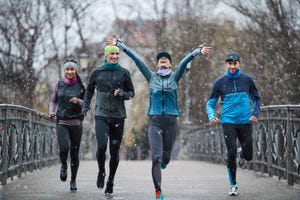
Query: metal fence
pixel 27 141
pixel 276 142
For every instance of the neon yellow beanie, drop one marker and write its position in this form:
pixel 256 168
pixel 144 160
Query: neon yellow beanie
pixel 110 48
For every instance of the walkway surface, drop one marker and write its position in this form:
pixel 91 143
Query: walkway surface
pixel 182 180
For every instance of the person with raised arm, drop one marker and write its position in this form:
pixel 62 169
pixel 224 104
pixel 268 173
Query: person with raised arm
pixel 163 109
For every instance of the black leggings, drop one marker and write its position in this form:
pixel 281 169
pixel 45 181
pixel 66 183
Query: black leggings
pixel 242 132
pixel 69 138
pixel 161 134
pixel 111 129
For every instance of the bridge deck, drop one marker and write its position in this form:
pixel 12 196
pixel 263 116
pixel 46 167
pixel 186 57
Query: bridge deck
pixel 182 180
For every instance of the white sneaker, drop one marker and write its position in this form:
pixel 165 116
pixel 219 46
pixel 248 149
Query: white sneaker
pixel 233 190
pixel 241 161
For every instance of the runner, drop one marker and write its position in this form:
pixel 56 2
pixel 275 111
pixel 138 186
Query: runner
pixel 65 108
pixel 235 90
pixel 114 86
pixel 163 109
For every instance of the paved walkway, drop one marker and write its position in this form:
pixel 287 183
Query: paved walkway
pixel 182 180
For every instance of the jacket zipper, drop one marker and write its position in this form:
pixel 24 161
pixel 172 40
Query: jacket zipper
pixel 163 96
pixel 234 85
pixel 110 96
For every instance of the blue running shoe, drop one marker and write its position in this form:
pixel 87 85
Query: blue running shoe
pixel 163 166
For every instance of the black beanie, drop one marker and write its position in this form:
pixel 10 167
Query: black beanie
pixel 164 54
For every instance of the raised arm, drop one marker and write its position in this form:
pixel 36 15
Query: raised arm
pixel 142 66
pixel 182 65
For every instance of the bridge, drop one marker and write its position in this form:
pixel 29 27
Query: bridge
pixel 29 162
pixel 182 180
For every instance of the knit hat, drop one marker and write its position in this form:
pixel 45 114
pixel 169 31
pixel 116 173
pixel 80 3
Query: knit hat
pixel 110 48
pixel 232 56
pixel 71 63
pixel 164 54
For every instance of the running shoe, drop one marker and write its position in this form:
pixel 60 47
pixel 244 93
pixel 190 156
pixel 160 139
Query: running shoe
pixel 241 161
pixel 73 186
pixel 63 173
pixel 158 195
pixel 109 188
pixel 163 166
pixel 233 190
pixel 100 180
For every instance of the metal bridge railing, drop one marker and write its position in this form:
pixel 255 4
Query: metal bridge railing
pixel 276 142
pixel 27 141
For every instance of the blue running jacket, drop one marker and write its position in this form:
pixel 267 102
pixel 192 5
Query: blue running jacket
pixel 235 96
pixel 163 90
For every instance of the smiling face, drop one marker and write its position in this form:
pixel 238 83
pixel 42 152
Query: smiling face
pixel 232 66
pixel 70 72
pixel 112 57
pixel 164 62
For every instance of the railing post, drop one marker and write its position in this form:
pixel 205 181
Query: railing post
pixel 289 143
pixel 269 145
pixel 254 157
pixel 31 142
pixel 5 148
pixel 19 133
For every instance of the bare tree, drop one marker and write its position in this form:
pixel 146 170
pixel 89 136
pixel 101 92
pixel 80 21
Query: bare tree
pixel 74 15
pixel 274 30
pixel 161 25
pixel 188 28
pixel 21 26
pixel 31 31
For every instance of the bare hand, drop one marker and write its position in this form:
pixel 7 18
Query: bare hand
pixel 253 119
pixel 116 92
pixel 53 117
pixel 205 50
pixel 74 100
pixel 111 41
pixel 214 121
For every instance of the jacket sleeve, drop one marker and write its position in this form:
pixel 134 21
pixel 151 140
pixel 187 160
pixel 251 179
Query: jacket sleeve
pixel 89 92
pixel 80 101
pixel 183 63
pixel 53 101
pixel 256 99
pixel 212 102
pixel 128 92
pixel 210 108
pixel 140 63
